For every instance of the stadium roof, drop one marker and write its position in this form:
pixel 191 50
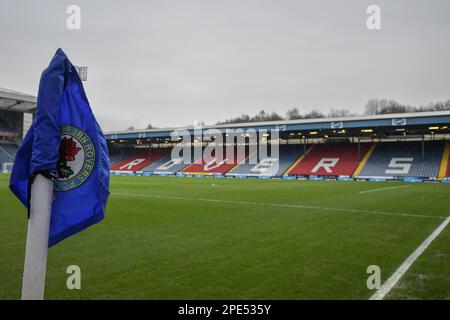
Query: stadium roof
pixel 399 120
pixel 16 101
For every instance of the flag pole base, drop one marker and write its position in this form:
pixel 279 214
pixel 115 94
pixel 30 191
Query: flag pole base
pixel 37 239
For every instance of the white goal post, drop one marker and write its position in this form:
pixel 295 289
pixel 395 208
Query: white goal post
pixel 6 167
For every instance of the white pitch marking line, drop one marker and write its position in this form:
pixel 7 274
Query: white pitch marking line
pixel 387 188
pixel 396 276
pixel 276 205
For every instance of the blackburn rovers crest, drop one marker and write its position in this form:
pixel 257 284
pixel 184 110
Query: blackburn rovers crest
pixel 76 158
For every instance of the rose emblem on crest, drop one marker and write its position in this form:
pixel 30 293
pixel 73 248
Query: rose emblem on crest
pixel 67 151
pixel 76 159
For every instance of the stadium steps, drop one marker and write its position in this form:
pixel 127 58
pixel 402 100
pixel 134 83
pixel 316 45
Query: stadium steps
pixel 215 168
pixel 287 172
pixel 167 165
pixel 287 155
pixel 444 169
pixel 116 156
pixel 364 160
pixel 153 166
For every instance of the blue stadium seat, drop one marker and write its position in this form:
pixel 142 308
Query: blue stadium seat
pixel 400 159
pixel 287 156
pixel 167 165
pixel 116 156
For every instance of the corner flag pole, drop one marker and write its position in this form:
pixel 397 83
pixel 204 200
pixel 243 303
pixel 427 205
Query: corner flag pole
pixel 38 231
pixel 37 239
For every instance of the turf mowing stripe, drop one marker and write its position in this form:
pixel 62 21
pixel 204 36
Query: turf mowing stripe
pixel 279 205
pixel 396 276
pixel 387 188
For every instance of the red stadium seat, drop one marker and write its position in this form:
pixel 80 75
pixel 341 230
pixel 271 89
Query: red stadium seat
pixel 331 160
pixel 215 166
pixel 139 161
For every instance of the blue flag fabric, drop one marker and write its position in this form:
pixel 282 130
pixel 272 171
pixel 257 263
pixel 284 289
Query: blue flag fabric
pixel 66 144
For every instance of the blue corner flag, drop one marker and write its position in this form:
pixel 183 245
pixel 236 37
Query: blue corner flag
pixel 64 143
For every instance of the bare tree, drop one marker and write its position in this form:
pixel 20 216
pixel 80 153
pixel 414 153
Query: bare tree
pixel 340 113
pixel 391 106
pixel 293 114
pixel 372 107
pixel 242 118
pixel 261 116
pixel 314 114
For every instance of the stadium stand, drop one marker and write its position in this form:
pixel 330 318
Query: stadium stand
pixel 311 147
pixel 4 126
pixel 114 158
pixel 166 165
pixel 4 157
pixel 7 153
pixel 215 167
pixel 445 162
pixel 391 159
pixel 447 159
pixel 164 162
pixel 288 154
pixel 339 159
pixel 139 161
pixel 171 166
pixel 10 148
pixel 447 175
pixel 116 155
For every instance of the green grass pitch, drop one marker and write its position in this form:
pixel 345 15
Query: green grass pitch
pixel 193 238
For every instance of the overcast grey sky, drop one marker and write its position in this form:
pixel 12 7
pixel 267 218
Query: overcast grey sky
pixel 170 63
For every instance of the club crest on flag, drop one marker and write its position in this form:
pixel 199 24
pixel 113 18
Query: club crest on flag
pixel 76 158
